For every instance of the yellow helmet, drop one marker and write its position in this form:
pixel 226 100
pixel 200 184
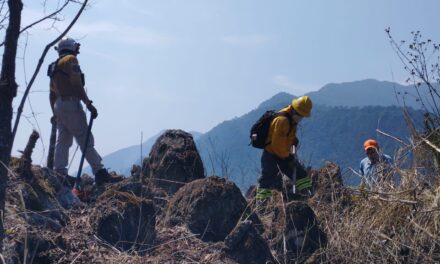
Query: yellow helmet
pixel 303 105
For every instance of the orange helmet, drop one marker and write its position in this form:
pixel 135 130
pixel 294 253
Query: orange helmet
pixel 371 143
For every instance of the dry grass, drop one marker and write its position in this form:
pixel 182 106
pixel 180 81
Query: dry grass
pixel 389 223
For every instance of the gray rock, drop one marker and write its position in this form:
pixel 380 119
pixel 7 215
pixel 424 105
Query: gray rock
pixel 174 161
pixel 125 220
pixel 210 207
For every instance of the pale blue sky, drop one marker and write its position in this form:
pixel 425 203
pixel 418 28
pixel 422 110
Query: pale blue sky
pixel 153 65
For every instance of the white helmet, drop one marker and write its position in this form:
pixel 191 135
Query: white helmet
pixel 67 44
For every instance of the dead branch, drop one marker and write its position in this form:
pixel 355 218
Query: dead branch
pixel 42 19
pixel 27 153
pixel 356 191
pixel 395 200
pixel 431 144
pixel 424 230
pixel 80 253
pixel 390 136
pixel 26 157
pixel 169 242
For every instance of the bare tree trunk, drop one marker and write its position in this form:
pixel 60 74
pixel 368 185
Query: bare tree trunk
pixel 8 90
pixel 27 153
pixel 53 139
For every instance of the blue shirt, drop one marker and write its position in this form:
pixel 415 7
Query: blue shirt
pixel 370 171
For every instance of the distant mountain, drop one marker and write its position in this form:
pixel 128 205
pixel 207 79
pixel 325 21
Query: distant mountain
pixel 121 160
pixel 367 93
pixel 343 116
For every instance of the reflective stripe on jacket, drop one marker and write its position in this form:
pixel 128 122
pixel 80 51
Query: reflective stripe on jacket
pixel 280 139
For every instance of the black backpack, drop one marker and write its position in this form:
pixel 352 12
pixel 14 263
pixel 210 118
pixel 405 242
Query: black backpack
pixel 260 130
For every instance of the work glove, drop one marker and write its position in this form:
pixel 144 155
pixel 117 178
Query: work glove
pixel 92 110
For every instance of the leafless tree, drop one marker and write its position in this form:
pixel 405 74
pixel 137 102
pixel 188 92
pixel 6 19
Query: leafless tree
pixel 421 60
pixel 10 21
pixel 219 159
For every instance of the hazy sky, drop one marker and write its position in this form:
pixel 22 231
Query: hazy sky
pixel 153 65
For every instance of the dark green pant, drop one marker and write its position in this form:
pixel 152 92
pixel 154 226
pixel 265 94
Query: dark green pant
pixel 272 169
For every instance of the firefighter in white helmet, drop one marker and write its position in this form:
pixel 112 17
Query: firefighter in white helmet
pixel 66 93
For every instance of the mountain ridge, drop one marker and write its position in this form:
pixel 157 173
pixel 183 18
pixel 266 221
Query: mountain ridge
pixel 224 148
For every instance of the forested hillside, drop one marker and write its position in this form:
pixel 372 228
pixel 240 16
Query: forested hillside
pixel 331 134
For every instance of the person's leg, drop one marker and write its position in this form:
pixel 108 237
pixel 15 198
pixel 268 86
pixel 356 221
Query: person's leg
pixel 270 177
pixel 286 167
pixel 78 126
pixel 303 180
pixel 64 140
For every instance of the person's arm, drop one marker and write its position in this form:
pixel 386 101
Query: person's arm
pixel 76 79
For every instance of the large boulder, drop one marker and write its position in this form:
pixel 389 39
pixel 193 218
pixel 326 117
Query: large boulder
pixel 42 195
pixel 124 219
pixel 34 214
pixel 290 228
pixel 245 245
pixel 329 189
pixel 33 248
pixel 326 179
pixel 302 234
pixel 209 207
pixel 173 161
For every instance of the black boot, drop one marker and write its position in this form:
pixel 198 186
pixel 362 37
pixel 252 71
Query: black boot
pixel 102 176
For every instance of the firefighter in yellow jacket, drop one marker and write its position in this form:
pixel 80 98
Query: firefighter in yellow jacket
pixel 277 158
pixel 66 94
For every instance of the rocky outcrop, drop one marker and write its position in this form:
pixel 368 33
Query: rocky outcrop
pixel 210 207
pixel 37 191
pixel 34 212
pixel 173 161
pixel 245 245
pixel 329 189
pixel 206 220
pixel 301 231
pixel 33 248
pixel 326 179
pixel 124 219
pixel 291 228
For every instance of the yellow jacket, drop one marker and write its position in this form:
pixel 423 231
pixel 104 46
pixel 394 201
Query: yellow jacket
pixel 67 81
pixel 279 139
